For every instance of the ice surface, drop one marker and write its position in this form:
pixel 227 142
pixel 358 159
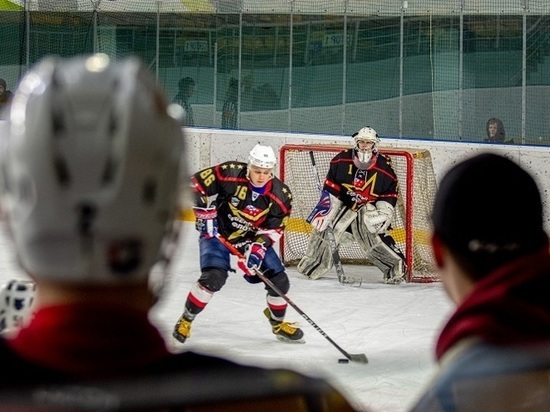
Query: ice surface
pixel 395 326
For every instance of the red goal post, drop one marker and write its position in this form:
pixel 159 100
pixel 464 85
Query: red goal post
pixel 417 186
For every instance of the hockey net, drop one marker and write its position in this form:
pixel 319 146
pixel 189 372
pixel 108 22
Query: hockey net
pixel 417 186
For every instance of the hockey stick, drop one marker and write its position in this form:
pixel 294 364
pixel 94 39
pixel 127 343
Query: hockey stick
pixel 342 278
pixel 359 357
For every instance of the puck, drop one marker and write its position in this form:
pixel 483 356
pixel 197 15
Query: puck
pixel 343 360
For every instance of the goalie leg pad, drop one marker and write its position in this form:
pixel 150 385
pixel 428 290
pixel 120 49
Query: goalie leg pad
pixel 382 251
pixel 318 258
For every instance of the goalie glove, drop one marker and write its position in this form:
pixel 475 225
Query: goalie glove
pixel 254 256
pixel 324 211
pixel 377 218
pixel 206 221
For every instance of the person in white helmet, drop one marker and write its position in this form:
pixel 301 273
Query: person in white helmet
pixel 249 215
pixel 358 197
pixel 91 173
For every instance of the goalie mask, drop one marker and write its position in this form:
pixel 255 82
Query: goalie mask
pixel 366 147
pixel 92 171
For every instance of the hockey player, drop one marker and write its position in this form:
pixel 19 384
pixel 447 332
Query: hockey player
pixel 91 175
pixel 358 198
pixel 250 212
pixel 16 304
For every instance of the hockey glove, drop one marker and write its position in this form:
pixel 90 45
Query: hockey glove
pixel 377 218
pixel 254 255
pixel 206 221
pixel 324 211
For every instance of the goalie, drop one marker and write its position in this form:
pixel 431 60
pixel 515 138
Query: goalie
pixel 358 200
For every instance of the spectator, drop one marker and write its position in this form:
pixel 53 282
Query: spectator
pixel 495 131
pixel 230 105
pixel 91 177
pixel 5 97
pixel 186 89
pixel 494 351
pixel 358 197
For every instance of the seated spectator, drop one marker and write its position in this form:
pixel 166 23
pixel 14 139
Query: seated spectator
pixel 495 132
pixel 494 351
pixel 5 97
pixel 92 172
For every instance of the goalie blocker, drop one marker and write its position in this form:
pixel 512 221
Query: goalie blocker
pixel 358 201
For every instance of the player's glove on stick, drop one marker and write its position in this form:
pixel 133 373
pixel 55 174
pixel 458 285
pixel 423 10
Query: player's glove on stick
pixel 206 221
pixel 324 211
pixel 255 255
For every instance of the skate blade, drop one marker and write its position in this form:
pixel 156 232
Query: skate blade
pixel 351 281
pixel 287 340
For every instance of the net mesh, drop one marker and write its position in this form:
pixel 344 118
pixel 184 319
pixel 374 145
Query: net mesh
pixel 423 69
pixel 417 186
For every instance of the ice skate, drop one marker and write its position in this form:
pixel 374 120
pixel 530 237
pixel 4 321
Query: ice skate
pixel 285 331
pixel 182 330
pixel 396 275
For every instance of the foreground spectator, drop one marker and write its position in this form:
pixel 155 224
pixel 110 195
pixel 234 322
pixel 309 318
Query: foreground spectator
pixel 493 258
pixel 91 177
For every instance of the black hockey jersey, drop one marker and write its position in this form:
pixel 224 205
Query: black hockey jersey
pixel 244 213
pixel 356 187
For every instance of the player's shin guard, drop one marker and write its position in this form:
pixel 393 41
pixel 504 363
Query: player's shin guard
pixel 197 300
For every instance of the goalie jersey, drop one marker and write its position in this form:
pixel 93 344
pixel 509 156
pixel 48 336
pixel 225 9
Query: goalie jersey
pixel 245 213
pixel 356 187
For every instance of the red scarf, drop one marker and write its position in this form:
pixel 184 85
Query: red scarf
pixel 510 306
pixel 87 339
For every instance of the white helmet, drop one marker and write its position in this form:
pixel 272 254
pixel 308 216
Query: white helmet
pixel 92 171
pixel 366 134
pixel 16 304
pixel 262 156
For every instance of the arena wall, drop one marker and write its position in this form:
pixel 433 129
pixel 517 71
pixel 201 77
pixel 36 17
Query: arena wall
pixel 206 147
pixel 211 146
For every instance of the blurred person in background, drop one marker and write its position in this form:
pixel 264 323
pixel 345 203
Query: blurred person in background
pixel 5 98
pixel 495 131
pixel 186 89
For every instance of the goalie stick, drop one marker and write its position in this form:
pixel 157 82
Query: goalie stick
pixel 358 357
pixel 342 278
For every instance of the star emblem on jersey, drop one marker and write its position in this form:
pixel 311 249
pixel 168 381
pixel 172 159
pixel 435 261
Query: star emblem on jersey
pixel 362 191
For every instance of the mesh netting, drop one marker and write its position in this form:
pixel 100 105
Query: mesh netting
pixel 417 186
pixel 422 69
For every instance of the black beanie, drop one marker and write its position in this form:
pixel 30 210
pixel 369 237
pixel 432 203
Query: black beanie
pixel 489 205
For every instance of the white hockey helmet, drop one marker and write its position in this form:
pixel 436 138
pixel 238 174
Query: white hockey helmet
pixel 92 170
pixel 17 299
pixel 366 134
pixel 262 156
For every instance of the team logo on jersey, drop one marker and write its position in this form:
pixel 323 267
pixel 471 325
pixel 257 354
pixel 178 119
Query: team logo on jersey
pixel 362 190
pixel 252 211
pixel 234 201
